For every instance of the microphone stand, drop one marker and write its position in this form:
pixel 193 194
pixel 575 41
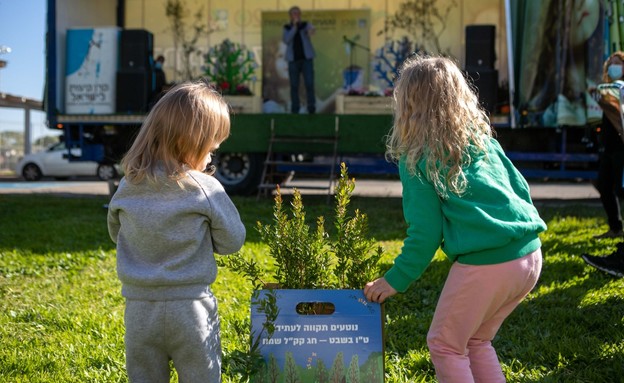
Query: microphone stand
pixel 353 44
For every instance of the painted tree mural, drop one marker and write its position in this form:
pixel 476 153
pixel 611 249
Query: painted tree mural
pixel 291 371
pixel 353 375
pixel 273 370
pixel 337 373
pixel 321 375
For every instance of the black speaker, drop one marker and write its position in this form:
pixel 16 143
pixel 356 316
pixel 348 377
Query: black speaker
pixel 136 49
pixel 480 51
pixel 134 89
pixel 486 82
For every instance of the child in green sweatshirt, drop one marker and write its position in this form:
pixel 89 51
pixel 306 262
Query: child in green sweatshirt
pixel 463 195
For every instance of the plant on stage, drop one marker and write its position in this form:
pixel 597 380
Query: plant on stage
pixel 177 13
pixel 421 21
pixel 230 67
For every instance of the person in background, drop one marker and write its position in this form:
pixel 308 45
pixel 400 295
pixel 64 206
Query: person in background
pixel 168 217
pixel 300 55
pixel 160 80
pixel 611 164
pixel 461 194
pixel 610 168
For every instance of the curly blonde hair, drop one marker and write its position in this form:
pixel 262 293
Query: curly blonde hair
pixel 181 130
pixel 438 119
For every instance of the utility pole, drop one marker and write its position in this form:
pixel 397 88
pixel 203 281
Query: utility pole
pixel 3 49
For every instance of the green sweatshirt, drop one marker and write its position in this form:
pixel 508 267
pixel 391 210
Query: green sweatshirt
pixel 494 221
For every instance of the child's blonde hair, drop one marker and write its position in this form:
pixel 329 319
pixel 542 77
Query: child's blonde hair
pixel 184 126
pixel 437 117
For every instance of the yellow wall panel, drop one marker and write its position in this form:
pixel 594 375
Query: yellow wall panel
pixel 240 21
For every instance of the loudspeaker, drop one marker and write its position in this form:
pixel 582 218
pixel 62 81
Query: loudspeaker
pixel 486 82
pixel 134 89
pixel 480 51
pixel 136 49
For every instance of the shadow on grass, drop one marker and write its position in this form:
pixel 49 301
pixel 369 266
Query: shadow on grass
pixel 44 224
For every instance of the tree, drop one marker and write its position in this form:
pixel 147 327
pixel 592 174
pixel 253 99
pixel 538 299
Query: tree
pixel 356 252
pixel 46 141
pixel 14 140
pixel 423 20
pixel 353 375
pixel 291 373
pixel 337 373
pixel 321 375
pixel 273 370
pixel 177 13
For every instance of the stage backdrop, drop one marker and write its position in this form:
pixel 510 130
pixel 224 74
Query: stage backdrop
pixel 343 57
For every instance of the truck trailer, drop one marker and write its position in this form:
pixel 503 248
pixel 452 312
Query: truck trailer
pixel 535 66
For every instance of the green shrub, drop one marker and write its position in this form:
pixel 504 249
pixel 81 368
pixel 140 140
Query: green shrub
pixel 309 258
pixel 305 257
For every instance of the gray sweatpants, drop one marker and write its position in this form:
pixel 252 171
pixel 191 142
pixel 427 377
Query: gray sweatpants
pixel 185 331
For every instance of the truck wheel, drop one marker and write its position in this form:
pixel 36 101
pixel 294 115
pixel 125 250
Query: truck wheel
pixel 239 173
pixel 106 172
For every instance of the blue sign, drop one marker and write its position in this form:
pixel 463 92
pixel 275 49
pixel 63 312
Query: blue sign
pixel 331 333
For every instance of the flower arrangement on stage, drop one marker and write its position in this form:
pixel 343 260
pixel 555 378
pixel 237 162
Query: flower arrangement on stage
pixel 230 67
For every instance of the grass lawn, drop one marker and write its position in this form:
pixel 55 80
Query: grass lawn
pixel 61 312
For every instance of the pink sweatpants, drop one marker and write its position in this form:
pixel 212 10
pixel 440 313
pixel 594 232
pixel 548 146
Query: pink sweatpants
pixel 473 304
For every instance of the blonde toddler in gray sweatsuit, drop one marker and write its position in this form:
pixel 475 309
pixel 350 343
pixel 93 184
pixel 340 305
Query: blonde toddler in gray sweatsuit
pixel 168 218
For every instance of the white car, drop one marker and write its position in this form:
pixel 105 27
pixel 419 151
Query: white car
pixel 54 162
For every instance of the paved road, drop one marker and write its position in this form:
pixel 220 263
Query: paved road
pixel 540 191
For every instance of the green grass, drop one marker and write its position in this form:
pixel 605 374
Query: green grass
pixel 61 312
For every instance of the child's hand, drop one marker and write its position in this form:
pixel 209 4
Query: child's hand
pixel 378 290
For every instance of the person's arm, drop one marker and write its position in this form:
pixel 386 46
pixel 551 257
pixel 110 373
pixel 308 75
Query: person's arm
pixel 423 214
pixel 310 30
pixel 611 108
pixel 113 224
pixel 289 33
pixel 226 228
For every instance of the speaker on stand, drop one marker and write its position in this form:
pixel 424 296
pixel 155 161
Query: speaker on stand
pixel 480 58
pixel 486 82
pixel 135 77
pixel 136 49
pixel 134 89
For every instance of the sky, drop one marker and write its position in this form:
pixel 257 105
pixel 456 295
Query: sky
pixel 22 28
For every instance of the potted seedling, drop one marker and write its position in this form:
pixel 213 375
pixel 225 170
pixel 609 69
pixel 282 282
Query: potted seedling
pixel 310 320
